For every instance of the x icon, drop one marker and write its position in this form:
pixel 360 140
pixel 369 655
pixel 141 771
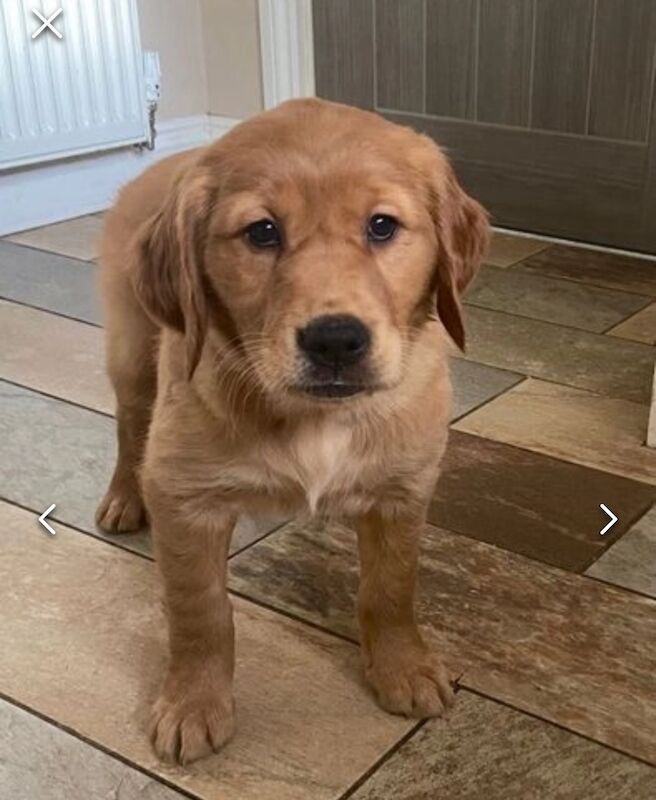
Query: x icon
pixel 47 23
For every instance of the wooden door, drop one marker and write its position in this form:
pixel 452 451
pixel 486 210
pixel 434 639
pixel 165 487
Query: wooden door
pixel 545 106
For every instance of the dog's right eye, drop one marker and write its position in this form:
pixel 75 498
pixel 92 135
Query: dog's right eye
pixel 263 233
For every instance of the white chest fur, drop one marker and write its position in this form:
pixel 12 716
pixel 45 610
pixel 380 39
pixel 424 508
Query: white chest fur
pixel 321 457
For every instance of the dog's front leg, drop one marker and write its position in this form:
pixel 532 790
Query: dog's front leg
pixel 194 714
pixel 406 675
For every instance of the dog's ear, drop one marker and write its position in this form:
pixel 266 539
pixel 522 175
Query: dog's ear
pixel 169 279
pixel 463 233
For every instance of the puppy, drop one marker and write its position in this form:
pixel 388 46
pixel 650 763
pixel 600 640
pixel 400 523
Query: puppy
pixel 278 308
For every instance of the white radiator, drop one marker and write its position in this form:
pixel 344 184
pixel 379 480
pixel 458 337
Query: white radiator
pixel 78 94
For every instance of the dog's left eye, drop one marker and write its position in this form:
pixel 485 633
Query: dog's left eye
pixel 381 227
pixel 263 233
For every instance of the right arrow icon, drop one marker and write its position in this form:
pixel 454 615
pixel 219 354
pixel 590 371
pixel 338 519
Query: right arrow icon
pixel 613 519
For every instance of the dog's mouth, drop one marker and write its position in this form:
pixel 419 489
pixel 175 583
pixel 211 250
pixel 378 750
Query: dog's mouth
pixel 336 390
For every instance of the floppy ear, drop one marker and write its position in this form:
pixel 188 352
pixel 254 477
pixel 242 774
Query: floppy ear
pixel 463 236
pixel 169 280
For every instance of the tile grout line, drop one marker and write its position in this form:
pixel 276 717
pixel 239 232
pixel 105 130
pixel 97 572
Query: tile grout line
pixel 510 269
pixel 628 319
pixel 34 248
pixel 516 267
pixel 520 379
pixel 602 334
pixel 23 304
pixel 97 746
pixel 56 398
pixel 387 755
pixel 556 724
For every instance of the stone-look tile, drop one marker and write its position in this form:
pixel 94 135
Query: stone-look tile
pixel 631 562
pixel 55 355
pixel 475 384
pixel 541 507
pixel 639 328
pixel 54 452
pixel 566 648
pixel 551 300
pixel 611 367
pixel 597 268
pixel 49 281
pixel 488 750
pixel 88 649
pixel 598 432
pixel 506 249
pixel 77 238
pixel 39 760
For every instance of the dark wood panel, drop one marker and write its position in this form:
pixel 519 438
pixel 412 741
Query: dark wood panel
pixel 344 50
pixel 588 189
pixel 400 54
pixel 562 64
pixel 623 58
pixel 451 58
pixel 504 67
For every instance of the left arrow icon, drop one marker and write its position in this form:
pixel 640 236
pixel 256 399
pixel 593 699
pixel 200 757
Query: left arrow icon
pixel 42 519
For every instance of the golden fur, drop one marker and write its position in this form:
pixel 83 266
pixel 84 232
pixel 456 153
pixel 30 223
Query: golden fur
pixel 213 414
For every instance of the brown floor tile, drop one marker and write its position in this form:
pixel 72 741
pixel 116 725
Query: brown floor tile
pixel 486 750
pixel 563 647
pixel 598 432
pixel 77 238
pixel 475 384
pixel 55 355
pixel 506 249
pixel 611 367
pixel 639 328
pixel 597 268
pixel 631 562
pixel 525 502
pixel 551 300
pixel 83 642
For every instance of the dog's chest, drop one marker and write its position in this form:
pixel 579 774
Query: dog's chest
pixel 318 463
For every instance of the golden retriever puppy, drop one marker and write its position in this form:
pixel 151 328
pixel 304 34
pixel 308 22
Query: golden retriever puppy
pixel 278 307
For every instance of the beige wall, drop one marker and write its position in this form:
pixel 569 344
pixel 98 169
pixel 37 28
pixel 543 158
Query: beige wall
pixel 232 54
pixel 209 54
pixel 173 28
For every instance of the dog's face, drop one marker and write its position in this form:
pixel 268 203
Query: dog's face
pixel 313 242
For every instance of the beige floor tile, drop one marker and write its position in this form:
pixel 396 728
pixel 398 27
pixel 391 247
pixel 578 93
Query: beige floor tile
pixel 573 424
pixel 77 238
pixel 566 648
pixel 506 249
pixel 39 761
pixel 486 750
pixel 53 354
pixel 640 328
pixel 83 642
pixel 631 562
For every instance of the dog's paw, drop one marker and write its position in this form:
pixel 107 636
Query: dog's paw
pixel 189 727
pixel 121 510
pixel 412 682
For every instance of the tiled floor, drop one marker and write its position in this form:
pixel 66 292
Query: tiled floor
pixel 551 626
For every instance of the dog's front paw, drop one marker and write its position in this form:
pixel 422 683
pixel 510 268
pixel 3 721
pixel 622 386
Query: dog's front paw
pixel 190 721
pixel 121 510
pixel 411 681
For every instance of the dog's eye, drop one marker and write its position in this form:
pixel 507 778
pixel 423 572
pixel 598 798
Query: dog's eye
pixel 263 233
pixel 381 228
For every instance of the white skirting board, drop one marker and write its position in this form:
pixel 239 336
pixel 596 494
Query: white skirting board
pixel 55 191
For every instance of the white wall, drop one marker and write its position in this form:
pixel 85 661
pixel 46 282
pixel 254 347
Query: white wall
pixel 232 57
pixel 174 29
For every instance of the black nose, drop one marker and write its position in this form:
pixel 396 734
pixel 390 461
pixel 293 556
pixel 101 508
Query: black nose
pixel 334 340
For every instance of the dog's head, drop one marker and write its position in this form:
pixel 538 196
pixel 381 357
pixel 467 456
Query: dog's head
pixel 313 242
